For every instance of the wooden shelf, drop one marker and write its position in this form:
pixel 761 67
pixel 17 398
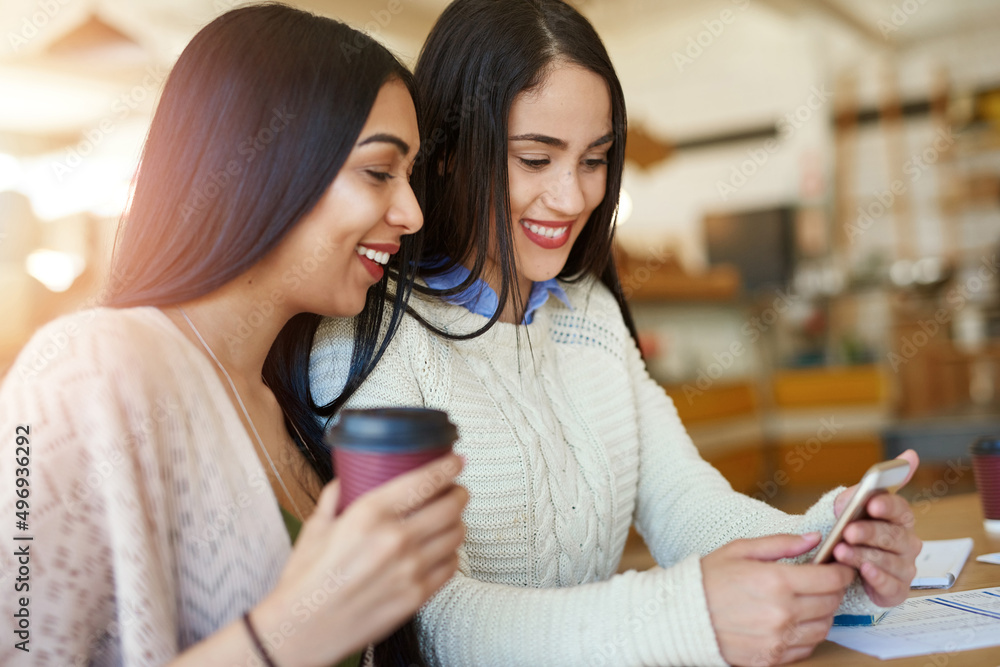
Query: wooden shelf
pixel 830 386
pixel 720 401
pixel 714 413
pixel 719 284
pixel 664 279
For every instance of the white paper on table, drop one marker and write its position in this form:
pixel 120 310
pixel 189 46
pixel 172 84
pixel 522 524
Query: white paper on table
pixel 940 562
pixel 934 624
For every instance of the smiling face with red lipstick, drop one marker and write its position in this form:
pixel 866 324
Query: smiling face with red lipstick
pixel 351 234
pixel 560 133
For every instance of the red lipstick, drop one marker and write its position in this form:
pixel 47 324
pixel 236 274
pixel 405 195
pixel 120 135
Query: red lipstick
pixel 547 242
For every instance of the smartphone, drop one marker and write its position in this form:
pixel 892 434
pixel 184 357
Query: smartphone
pixel 882 477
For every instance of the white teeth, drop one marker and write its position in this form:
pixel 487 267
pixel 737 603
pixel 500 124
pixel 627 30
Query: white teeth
pixel 547 232
pixel 374 255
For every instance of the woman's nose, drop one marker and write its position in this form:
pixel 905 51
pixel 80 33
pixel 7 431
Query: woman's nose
pixel 565 196
pixel 405 211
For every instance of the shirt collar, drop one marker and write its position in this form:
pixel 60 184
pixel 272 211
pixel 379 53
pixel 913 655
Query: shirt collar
pixel 481 299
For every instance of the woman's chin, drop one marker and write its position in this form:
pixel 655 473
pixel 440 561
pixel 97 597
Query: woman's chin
pixel 548 269
pixel 345 308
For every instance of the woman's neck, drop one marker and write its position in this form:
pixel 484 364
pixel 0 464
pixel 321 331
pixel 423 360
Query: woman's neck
pixel 512 312
pixel 238 322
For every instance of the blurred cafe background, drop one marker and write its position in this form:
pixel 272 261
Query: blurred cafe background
pixel 809 227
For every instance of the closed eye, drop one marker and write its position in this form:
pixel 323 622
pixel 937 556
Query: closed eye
pixel 595 163
pixel 381 176
pixel 533 164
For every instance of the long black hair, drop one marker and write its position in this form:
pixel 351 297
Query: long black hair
pixel 256 119
pixel 479 57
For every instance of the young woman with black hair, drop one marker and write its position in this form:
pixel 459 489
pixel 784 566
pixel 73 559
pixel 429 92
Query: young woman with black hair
pixel 155 463
pixel 521 333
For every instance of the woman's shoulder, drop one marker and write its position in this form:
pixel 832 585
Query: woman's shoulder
pixel 96 340
pixel 414 366
pixel 333 352
pixel 591 299
pixel 593 319
pixel 104 376
pixel 335 335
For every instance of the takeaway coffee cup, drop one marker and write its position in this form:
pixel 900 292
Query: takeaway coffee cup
pixel 370 447
pixel 986 467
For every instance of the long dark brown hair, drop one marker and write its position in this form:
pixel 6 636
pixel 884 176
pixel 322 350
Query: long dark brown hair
pixel 255 121
pixel 480 56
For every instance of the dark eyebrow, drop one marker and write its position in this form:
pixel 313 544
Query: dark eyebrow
pixel 403 147
pixel 540 139
pixel 559 143
pixel 606 139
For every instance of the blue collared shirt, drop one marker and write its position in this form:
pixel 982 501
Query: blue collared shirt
pixel 479 297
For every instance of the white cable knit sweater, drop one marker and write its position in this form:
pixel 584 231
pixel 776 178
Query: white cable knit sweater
pixel 153 522
pixel 567 441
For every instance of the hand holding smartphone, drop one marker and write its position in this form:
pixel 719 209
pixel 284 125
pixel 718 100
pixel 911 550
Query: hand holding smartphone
pixel 883 477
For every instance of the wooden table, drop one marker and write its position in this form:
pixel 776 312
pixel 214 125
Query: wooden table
pixel 937 519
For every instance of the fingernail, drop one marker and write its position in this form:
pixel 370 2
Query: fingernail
pixel 811 537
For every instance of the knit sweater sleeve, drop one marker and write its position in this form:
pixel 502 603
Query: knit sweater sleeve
pixel 99 588
pixel 685 506
pixel 656 617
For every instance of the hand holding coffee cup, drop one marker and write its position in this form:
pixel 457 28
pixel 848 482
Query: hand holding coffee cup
pixel 370 447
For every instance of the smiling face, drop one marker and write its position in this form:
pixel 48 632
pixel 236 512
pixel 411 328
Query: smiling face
pixel 333 256
pixel 559 135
